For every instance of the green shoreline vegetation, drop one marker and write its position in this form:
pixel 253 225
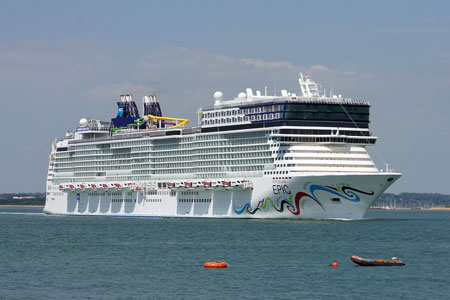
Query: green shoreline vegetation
pixel 385 201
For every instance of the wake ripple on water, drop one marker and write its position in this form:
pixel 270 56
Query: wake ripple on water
pixel 23 213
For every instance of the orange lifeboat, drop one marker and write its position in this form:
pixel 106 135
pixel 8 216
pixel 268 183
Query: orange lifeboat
pixel 216 264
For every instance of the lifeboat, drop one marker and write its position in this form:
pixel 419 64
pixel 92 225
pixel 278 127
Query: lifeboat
pixel 179 184
pixel 206 183
pixel 188 184
pixel 197 184
pixel 118 185
pixel 104 185
pixel 171 185
pixel 216 264
pixel 82 186
pixel 71 186
pixel 370 262
pixel 216 183
pixel 61 187
pixel 94 186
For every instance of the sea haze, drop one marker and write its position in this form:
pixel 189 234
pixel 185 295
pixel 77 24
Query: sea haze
pixel 55 257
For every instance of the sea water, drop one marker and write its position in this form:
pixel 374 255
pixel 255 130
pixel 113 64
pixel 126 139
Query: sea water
pixel 54 257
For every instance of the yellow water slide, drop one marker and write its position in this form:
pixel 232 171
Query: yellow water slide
pixel 183 121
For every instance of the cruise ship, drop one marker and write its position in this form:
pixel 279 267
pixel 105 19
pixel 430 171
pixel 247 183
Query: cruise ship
pixel 254 156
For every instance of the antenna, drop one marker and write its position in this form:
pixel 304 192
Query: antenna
pixel 275 87
pixel 332 85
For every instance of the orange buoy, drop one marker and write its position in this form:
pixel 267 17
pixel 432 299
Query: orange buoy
pixel 216 264
pixel 334 264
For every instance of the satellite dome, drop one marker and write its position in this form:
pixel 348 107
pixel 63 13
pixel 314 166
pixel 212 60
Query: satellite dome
pixel 83 122
pixel 218 96
pixel 242 96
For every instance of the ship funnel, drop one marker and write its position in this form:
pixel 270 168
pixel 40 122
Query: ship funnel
pixel 151 106
pixel 127 107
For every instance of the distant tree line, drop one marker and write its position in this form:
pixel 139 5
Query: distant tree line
pixel 22 199
pixel 412 200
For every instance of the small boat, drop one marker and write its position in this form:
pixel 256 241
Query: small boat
pixel 370 262
pixel 216 264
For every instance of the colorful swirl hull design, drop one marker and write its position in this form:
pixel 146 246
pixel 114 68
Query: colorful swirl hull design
pixel 293 205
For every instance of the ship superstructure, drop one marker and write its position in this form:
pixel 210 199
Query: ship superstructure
pixel 254 156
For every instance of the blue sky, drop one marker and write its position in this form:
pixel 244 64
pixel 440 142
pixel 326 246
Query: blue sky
pixel 64 60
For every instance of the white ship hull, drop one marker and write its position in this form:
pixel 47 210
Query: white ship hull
pixel 302 197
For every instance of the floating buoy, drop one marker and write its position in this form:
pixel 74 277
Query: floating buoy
pixel 216 264
pixel 334 264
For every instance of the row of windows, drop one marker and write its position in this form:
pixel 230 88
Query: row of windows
pixel 161 185
pixel 325 116
pixel 338 139
pixel 275 172
pixel 326 108
pixel 131 177
pixel 206 200
pixel 325 132
pixel 243 141
pixel 129 193
pixel 153 200
pixel 154 156
pixel 145 141
pixel 283 158
pixel 203 170
pixel 194 139
pixel 189 193
pixel 190 164
pixel 128 151
pixel 116 200
pixel 285 165
pixel 233 112
pixel 209 150
pixel 240 119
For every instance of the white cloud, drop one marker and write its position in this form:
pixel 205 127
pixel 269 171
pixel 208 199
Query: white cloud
pixel 259 63
pixel 320 68
pixel 200 68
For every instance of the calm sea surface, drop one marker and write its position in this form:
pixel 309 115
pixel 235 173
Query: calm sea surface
pixel 48 257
